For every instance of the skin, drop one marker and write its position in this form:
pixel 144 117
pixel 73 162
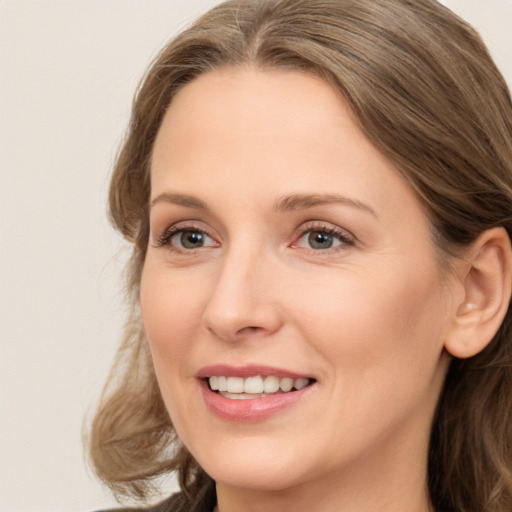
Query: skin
pixel 367 318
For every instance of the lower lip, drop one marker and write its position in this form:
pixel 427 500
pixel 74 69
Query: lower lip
pixel 253 409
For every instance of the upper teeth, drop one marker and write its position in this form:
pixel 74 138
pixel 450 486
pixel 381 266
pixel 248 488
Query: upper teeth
pixel 256 385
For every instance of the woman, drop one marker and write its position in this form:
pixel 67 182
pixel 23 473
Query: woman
pixel 319 197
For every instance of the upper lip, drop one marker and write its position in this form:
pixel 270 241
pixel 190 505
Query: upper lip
pixel 248 370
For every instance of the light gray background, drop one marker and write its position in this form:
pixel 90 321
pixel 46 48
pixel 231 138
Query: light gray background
pixel 68 70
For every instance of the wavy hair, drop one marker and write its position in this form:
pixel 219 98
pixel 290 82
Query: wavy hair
pixel 427 94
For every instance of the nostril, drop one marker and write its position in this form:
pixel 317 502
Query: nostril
pixel 249 328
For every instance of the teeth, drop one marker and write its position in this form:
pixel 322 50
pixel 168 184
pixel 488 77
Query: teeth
pixel 242 396
pixel 235 385
pixel 286 384
pixel 300 383
pixel 270 384
pixel 253 385
pixel 222 383
pixel 256 385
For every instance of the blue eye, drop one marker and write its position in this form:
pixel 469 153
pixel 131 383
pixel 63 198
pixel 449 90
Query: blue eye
pixel 320 240
pixel 323 238
pixel 190 239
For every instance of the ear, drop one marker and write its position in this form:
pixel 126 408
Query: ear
pixel 486 275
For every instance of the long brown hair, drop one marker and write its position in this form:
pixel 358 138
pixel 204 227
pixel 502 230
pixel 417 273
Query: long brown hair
pixel 427 94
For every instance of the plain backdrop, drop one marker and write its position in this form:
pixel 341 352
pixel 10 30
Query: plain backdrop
pixel 68 70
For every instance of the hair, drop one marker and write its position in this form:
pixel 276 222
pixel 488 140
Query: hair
pixel 427 94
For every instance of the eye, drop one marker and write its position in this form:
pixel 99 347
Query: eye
pixel 320 240
pixel 191 239
pixel 323 238
pixel 185 239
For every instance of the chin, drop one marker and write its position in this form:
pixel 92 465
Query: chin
pixel 256 467
pixel 250 476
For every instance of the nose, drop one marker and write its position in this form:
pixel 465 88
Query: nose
pixel 244 300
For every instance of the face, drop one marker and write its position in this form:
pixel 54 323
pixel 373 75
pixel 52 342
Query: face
pixel 290 266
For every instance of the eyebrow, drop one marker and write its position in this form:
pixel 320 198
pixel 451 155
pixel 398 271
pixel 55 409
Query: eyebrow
pixel 181 200
pixel 285 203
pixel 304 201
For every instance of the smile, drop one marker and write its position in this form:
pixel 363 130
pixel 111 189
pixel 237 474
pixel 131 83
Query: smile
pixel 252 392
pixel 239 388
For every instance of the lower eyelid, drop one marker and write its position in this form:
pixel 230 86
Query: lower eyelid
pixel 342 236
pixel 206 235
pixel 163 236
pixel 165 239
pixel 338 243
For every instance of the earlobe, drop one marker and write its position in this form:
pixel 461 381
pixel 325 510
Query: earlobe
pixel 487 281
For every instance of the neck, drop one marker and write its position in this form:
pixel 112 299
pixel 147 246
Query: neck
pixel 296 500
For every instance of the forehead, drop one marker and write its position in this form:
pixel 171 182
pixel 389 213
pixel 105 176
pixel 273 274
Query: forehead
pixel 242 128
pixel 231 103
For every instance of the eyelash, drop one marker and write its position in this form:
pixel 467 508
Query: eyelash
pixel 164 239
pixel 345 238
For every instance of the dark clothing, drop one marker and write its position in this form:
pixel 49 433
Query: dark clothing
pixel 163 506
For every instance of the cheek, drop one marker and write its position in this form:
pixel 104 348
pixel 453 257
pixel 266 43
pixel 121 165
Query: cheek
pixel 170 315
pixel 169 308
pixel 170 311
pixel 395 317
pixel 382 341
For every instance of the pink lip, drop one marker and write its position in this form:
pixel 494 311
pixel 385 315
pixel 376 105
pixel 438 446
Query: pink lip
pixel 250 370
pixel 255 409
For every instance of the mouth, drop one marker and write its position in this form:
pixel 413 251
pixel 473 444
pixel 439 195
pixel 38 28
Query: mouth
pixel 252 392
pixel 254 387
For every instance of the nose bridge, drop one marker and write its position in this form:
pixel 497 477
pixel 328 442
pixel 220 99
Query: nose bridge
pixel 243 299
